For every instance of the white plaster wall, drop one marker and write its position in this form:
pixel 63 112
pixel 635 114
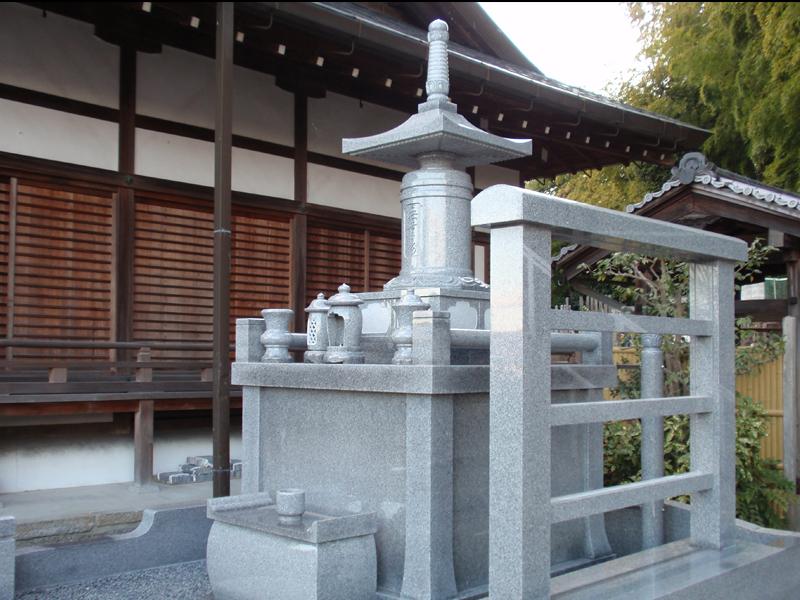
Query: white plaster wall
pixel 174 157
pixel 263 174
pixel 487 175
pixel 176 85
pixel 261 110
pixel 335 117
pixel 183 159
pixel 353 191
pixel 51 134
pixel 49 461
pixel 56 55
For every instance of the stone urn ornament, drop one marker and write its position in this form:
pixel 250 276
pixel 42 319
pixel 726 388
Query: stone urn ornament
pixel 276 337
pixel 402 334
pixel 344 328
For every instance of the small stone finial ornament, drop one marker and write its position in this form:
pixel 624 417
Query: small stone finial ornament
pixel 404 327
pixel 317 329
pixel 276 337
pixel 344 328
pixel 651 340
pixel 438 84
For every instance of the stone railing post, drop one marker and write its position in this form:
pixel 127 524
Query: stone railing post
pixel 519 413
pixel 596 543
pixel 652 386
pixel 791 422
pixel 713 435
pixel 428 569
pixel 248 339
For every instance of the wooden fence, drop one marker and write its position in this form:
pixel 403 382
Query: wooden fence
pixel 765 386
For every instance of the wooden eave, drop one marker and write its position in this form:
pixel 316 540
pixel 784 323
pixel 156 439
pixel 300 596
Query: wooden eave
pixel 731 213
pixel 572 130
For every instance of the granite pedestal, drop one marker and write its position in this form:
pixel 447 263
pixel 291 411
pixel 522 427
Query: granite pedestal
pixel 410 443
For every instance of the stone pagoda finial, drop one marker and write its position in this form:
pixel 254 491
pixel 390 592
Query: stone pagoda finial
pixel 438 84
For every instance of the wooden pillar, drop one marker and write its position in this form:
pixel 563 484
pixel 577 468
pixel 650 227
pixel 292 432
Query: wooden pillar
pixel 123 220
pixel 300 220
pixel 143 431
pixel 221 417
pixel 123 211
pixel 12 263
pixel 127 109
pixel 367 259
pixel 143 447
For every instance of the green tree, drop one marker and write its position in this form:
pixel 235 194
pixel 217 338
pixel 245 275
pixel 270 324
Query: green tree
pixel 731 67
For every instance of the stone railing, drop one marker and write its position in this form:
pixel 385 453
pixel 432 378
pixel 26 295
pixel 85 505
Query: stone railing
pixel 522 509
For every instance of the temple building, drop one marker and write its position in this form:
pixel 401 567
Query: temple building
pixel 107 114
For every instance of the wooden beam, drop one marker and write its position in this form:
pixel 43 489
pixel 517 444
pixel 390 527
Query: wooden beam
pixel 83 407
pixel 194 132
pixel 222 249
pixel 762 310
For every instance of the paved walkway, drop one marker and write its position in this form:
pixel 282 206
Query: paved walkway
pixel 84 513
pixel 186 581
pixel 61 503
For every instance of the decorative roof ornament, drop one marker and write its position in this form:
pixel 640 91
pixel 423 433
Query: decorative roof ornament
pixel 695 168
pixel 439 144
pixel 691 165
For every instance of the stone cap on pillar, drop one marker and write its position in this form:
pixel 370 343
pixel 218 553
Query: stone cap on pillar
pixel 437 127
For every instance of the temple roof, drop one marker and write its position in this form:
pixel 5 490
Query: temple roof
pixel 694 168
pixel 496 88
pixel 524 72
pixel 700 194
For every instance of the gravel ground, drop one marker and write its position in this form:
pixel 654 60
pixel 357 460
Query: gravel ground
pixel 185 581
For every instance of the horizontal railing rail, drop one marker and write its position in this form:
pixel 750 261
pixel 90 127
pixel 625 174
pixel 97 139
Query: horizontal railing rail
pixel 594 321
pixel 478 339
pixel 622 410
pixel 568 220
pixel 583 504
pixel 102 345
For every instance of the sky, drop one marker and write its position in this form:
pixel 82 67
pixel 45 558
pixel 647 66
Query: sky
pixel 578 43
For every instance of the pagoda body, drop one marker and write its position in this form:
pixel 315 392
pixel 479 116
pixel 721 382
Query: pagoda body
pixel 439 144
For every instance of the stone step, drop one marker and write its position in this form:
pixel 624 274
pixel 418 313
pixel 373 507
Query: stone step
pixel 197 469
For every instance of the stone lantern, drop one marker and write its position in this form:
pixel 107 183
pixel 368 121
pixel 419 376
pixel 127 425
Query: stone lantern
pixel 344 328
pixel 317 329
